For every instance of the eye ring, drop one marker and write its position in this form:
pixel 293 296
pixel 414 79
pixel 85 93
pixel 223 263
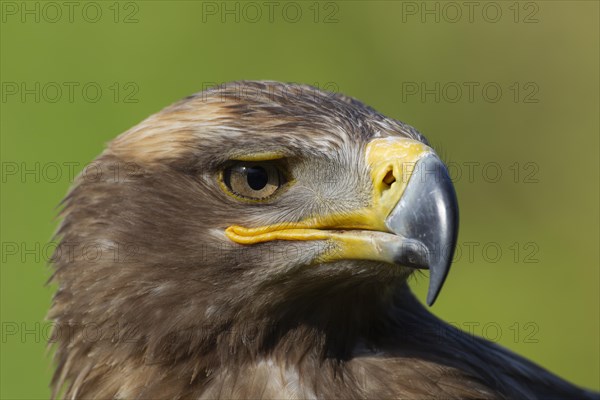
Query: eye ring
pixel 252 180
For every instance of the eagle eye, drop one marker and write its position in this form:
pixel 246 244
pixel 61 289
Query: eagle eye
pixel 253 180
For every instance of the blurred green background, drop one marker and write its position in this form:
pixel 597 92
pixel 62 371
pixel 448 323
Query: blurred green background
pixel 508 92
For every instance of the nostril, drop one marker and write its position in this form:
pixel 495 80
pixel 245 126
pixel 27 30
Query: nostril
pixel 389 178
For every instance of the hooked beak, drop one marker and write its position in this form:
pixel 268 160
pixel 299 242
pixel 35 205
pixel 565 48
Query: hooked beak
pixel 412 221
pixel 428 214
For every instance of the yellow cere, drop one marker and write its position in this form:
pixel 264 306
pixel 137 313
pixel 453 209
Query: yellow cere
pixel 398 155
pixel 385 155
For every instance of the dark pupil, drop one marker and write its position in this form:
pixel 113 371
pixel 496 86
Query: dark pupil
pixel 257 177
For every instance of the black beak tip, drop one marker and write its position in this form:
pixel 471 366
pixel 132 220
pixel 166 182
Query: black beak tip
pixel 437 277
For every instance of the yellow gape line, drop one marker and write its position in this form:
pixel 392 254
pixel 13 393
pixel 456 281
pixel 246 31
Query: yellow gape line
pixel 391 162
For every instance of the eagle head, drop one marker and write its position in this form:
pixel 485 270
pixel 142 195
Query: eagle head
pixel 254 218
